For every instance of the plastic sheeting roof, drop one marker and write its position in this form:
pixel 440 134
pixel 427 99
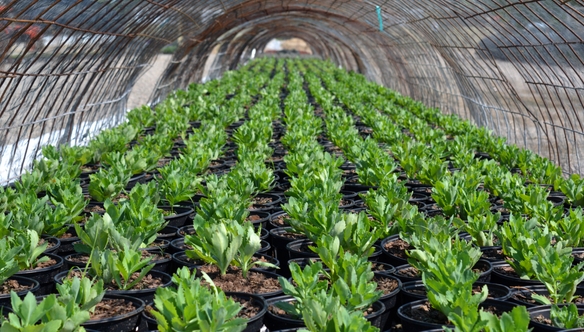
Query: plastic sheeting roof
pixel 515 66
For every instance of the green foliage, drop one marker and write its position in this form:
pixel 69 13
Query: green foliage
pixel 225 242
pixel 190 306
pixel 566 317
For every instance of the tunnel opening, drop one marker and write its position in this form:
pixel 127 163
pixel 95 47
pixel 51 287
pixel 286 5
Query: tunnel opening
pixel 293 45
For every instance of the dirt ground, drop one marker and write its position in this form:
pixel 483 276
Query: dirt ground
pixel 142 90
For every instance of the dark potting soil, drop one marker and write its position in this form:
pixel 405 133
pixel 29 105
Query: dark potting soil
pixel 494 254
pixel 248 308
pixel 281 220
pixel 13 285
pixel 507 270
pixel 344 202
pixel 42 265
pixel 281 313
pixel 520 296
pixel 579 255
pixel 411 272
pixel 95 208
pixel 386 285
pixel 233 281
pixel 50 244
pixel 111 308
pixel 261 201
pixel 253 217
pixel 425 313
pixel 292 235
pixel 66 236
pixel 147 282
pixel 378 267
pixel 397 248
pixel 84 259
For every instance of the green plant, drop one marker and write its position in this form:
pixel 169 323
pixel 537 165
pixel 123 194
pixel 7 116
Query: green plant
pixel 80 293
pixel 566 317
pixel 570 228
pixel 8 262
pixel 191 306
pixel 224 243
pixel 29 255
pixel 177 185
pixel 108 183
pixel 27 314
pixel 69 195
pixel 324 312
pixel 447 273
pixel 573 188
pixel 124 268
pixel 552 265
pixel 481 228
pixel 517 320
pixel 521 240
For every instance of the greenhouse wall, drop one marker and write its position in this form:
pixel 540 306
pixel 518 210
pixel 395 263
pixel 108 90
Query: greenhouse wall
pixel 68 68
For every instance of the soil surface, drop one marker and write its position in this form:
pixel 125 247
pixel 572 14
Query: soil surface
pixel 425 313
pixel 233 281
pixel 386 285
pixel 111 308
pixel 397 248
pixel 13 285
pixel 281 220
pixel 248 308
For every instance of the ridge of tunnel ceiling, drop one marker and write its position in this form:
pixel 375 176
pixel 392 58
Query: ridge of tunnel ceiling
pixel 495 62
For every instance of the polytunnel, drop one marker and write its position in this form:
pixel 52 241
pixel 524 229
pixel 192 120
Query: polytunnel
pixel 68 67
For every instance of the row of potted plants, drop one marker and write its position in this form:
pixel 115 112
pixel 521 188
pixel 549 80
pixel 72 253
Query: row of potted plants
pixel 421 175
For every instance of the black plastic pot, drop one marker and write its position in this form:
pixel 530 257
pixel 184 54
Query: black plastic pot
pixel 412 325
pixel 382 268
pixel 134 180
pixel 279 242
pixel 69 263
pixel 185 230
pixel 267 207
pixel 179 218
pixel 146 295
pixel 272 225
pixel 32 283
pixel 180 259
pixel 147 322
pixel 44 276
pixel 127 322
pixel 483 265
pixel 415 291
pixel 54 244
pixel 177 245
pixel 508 280
pixel 389 257
pixel 388 300
pixel 168 233
pixel 259 218
pixel 296 249
pixel 254 323
pixel 523 295
pixel 544 310
pixel 276 322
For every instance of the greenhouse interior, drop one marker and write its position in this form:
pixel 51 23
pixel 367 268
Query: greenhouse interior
pixel 263 165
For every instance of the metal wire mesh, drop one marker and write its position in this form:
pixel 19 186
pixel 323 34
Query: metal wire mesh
pixel 516 66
